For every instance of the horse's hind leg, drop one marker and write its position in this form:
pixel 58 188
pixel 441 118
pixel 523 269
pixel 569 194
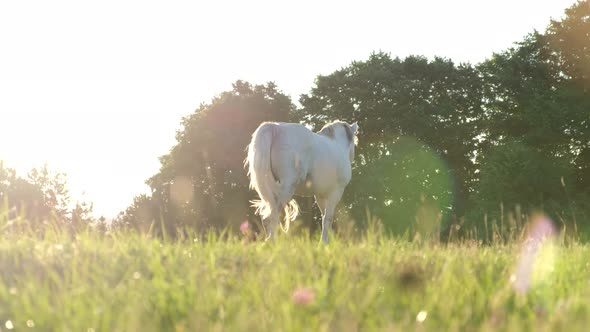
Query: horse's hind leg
pixel 286 193
pixel 282 197
pixel 266 226
pixel 271 223
pixel 327 206
pixel 267 208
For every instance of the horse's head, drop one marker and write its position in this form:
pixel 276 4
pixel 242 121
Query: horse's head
pixel 354 128
pixel 344 133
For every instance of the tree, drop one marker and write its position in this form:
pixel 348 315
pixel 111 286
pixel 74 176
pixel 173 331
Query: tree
pixel 515 174
pixel 419 126
pixel 54 188
pixel 141 215
pixel 42 197
pixel 568 42
pixel 537 127
pixel 202 182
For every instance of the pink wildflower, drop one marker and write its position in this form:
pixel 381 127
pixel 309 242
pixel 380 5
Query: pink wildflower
pixel 245 227
pixel 303 296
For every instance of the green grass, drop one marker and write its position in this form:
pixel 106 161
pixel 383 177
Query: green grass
pixel 129 282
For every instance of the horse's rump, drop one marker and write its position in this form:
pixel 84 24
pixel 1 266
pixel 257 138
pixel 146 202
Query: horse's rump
pixel 269 159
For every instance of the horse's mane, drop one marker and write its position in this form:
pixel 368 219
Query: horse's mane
pixel 328 130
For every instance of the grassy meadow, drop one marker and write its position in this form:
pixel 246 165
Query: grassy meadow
pixel 132 282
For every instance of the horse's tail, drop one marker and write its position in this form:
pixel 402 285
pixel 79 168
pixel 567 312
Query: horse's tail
pixel 261 176
pixel 259 168
pixel 291 212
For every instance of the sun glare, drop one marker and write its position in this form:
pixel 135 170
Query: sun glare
pixel 101 102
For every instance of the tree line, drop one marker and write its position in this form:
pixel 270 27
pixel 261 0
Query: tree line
pixel 41 200
pixel 459 144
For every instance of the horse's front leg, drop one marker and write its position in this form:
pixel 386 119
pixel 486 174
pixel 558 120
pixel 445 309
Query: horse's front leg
pixel 328 205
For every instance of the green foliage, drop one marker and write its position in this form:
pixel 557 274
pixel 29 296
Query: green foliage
pixel 140 215
pixel 514 173
pixel 539 92
pixel 419 123
pixel 396 186
pixel 526 100
pixel 569 41
pixel 469 117
pixel 536 124
pixel 41 197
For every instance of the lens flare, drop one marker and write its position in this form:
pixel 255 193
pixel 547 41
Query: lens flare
pixel 537 255
pixel 181 190
pixel 417 185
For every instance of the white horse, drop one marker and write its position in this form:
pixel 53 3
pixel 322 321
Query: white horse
pixel 287 158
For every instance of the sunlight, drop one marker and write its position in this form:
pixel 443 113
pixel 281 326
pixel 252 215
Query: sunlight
pixel 153 203
pixel 103 108
pixel 181 190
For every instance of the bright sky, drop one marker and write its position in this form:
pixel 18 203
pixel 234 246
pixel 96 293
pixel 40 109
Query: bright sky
pixel 97 89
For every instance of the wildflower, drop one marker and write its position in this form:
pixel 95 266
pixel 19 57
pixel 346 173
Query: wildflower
pixel 245 227
pixel 303 296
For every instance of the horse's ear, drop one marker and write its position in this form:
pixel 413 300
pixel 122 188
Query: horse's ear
pixel 354 127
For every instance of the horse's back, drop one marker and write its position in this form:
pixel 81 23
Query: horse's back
pixel 300 155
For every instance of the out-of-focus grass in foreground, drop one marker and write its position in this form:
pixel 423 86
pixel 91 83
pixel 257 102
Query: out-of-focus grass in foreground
pixel 132 282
